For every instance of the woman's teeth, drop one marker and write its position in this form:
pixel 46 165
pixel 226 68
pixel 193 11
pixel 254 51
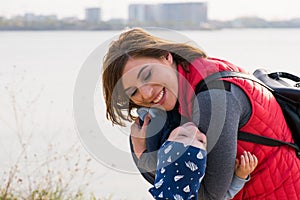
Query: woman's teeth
pixel 159 97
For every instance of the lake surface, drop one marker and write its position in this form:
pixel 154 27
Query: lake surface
pixel 38 72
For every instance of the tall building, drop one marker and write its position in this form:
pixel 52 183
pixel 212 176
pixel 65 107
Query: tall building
pixel 173 15
pixel 143 13
pixel 183 15
pixel 93 15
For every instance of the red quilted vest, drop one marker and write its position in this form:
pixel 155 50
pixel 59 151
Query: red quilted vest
pixel 277 175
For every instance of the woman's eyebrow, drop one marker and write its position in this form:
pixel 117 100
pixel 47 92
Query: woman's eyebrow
pixel 141 70
pixel 138 75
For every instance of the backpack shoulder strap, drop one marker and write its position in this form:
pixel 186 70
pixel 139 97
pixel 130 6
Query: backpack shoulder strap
pixel 228 74
pixel 259 139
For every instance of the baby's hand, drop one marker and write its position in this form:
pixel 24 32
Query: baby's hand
pixel 246 166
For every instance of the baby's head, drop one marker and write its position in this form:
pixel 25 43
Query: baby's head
pixel 188 134
pixel 181 164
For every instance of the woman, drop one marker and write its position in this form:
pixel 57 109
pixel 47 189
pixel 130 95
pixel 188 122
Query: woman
pixel 141 70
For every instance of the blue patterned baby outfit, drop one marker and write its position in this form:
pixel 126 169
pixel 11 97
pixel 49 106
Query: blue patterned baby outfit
pixel 179 172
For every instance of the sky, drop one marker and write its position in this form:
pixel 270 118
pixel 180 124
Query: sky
pixel 217 9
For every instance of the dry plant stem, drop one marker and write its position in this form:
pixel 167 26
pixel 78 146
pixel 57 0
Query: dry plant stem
pixel 19 133
pixel 42 179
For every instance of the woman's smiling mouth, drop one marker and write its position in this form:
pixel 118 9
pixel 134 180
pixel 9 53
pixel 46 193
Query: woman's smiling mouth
pixel 159 97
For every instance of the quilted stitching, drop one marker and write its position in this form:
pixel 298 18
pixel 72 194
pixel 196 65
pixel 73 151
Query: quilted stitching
pixel 277 175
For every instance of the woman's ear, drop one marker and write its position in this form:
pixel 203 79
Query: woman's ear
pixel 169 58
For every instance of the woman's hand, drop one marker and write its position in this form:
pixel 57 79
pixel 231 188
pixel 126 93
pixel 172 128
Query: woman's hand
pixel 188 134
pixel 138 136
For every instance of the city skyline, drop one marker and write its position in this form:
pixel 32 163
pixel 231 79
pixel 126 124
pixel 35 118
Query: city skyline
pixel 113 9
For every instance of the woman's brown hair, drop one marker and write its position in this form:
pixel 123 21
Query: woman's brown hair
pixel 132 43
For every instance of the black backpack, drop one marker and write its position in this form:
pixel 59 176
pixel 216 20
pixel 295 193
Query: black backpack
pixel 286 89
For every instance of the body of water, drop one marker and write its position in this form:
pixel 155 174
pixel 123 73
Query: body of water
pixel 38 71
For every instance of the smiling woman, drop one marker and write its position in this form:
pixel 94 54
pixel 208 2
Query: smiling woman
pixel 151 82
pixel 139 64
pixel 141 70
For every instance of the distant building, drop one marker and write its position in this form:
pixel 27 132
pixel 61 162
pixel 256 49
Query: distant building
pixel 174 15
pixel 30 17
pixel 70 19
pixel 183 15
pixel 143 13
pixel 93 15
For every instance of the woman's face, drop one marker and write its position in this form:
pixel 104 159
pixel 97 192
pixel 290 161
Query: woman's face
pixel 151 82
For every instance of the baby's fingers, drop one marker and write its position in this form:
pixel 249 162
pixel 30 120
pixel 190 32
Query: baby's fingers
pixel 247 160
pixel 246 157
pixel 254 162
pixel 243 161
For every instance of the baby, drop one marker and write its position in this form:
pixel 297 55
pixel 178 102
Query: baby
pixel 181 163
pixel 175 144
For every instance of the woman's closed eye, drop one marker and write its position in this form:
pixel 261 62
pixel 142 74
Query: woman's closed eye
pixel 145 78
pixel 133 92
pixel 147 75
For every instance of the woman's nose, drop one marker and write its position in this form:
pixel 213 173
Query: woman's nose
pixel 146 91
